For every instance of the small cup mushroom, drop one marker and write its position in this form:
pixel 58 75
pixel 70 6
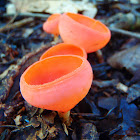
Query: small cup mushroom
pixel 64 49
pixel 83 31
pixel 51 25
pixel 57 83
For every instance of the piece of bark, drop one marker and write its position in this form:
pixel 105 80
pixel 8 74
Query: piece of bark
pixel 133 93
pixel 128 59
pixel 10 83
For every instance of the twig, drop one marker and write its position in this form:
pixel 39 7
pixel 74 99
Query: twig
pixel 28 15
pixel 89 115
pixel 115 130
pixel 93 116
pixel 12 126
pixel 105 84
pixel 128 33
pixel 12 20
pixel 16 24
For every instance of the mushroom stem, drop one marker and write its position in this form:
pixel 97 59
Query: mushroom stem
pixel 100 56
pixel 56 38
pixel 65 117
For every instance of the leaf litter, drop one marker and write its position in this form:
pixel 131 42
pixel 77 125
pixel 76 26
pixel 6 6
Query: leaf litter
pixel 108 112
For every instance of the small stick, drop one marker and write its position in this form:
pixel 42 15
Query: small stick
pixel 107 94
pixel 16 24
pixel 86 115
pixel 12 126
pixel 12 20
pixel 28 15
pixel 128 33
pixel 105 84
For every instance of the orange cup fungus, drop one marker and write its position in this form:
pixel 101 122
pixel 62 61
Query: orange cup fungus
pixel 64 49
pixel 57 82
pixel 83 31
pixel 51 24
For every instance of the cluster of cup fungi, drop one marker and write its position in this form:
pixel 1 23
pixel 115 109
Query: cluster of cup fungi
pixel 63 76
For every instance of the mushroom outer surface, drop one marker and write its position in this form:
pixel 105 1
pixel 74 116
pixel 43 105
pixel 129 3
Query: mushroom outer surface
pixel 83 31
pixel 57 83
pixel 51 24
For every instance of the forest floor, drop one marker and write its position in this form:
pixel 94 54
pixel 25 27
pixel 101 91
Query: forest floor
pixel 111 110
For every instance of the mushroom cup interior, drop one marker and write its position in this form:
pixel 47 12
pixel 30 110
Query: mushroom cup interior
pixel 63 49
pixel 90 23
pixel 50 69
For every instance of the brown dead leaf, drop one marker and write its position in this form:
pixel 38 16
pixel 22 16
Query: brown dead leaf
pixel 32 136
pixel 53 132
pixel 12 109
pixel 49 117
pixel 44 125
pixel 34 122
pixel 46 129
pixel 41 135
pixel 50 133
pixel 30 109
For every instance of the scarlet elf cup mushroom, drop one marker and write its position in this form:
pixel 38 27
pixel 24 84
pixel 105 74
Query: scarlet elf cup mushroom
pixel 57 83
pixel 83 31
pixel 64 49
pixel 51 25
pixel 78 30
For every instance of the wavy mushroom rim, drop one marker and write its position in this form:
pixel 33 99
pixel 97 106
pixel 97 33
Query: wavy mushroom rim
pixel 85 26
pixel 53 16
pixel 52 20
pixel 84 54
pixel 58 80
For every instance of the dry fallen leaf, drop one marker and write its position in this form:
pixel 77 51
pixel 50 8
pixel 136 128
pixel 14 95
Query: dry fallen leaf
pixel 53 132
pixel 34 122
pixel 49 117
pixel 41 135
pixel 129 59
pixel 18 120
pixel 57 6
pixel 30 6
